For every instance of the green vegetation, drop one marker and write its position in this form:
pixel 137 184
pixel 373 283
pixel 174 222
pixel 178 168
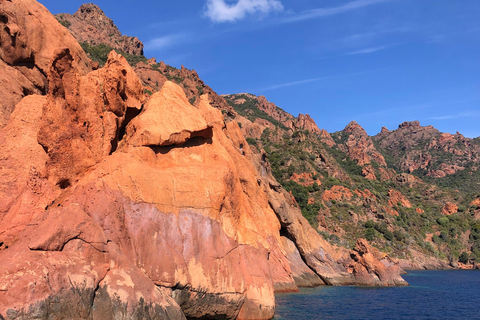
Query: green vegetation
pixel 63 21
pixel 249 109
pixel 99 53
pixel 251 141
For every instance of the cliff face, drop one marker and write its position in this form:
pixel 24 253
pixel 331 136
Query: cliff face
pixel 90 24
pixel 114 206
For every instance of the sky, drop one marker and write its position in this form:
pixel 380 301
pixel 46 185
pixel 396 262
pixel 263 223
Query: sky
pixel 378 62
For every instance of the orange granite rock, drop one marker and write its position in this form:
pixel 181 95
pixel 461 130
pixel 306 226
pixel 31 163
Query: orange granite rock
pixel 449 209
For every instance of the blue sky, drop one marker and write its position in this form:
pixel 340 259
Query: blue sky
pixel 379 62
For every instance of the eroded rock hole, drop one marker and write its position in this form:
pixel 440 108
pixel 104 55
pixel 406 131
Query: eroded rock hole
pixel 3 19
pixel 129 115
pixel 64 183
pixel 45 148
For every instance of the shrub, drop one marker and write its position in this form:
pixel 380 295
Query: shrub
pixel 381 227
pixel 369 224
pixel 370 234
pixel 388 235
pixel 463 257
pixel 65 23
pixel 251 141
pixel 399 235
pixel 443 221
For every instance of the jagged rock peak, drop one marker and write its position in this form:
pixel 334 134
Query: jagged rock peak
pixel 354 128
pixel 409 124
pixel 90 24
pixel 305 122
pixel 385 130
pixel 89 11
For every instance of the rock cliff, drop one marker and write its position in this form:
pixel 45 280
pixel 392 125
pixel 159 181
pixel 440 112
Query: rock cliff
pixel 117 207
pixel 28 37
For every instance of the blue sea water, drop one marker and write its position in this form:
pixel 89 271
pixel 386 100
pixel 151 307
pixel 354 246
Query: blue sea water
pixel 452 294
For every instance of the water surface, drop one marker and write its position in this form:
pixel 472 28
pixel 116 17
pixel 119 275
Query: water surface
pixel 452 294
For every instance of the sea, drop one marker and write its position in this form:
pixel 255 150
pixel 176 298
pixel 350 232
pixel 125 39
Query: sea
pixel 445 294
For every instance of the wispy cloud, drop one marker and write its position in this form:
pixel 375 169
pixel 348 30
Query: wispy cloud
pixel 299 82
pixel 293 83
pixel 371 50
pixel 220 11
pixel 464 114
pixel 165 42
pixel 325 12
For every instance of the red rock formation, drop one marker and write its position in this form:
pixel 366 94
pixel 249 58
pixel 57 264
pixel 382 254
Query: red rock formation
pixel 90 24
pixel 305 122
pixel 360 146
pixel 449 209
pixel 475 202
pixel 369 172
pixel 28 36
pixel 368 260
pixel 275 112
pixel 391 211
pixel 337 193
pixel 305 179
pixel 415 147
pixel 302 274
pixel 326 138
pixel 397 198
pixel 419 210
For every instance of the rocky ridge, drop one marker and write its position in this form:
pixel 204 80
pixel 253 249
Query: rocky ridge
pixel 90 25
pixel 425 151
pixel 121 204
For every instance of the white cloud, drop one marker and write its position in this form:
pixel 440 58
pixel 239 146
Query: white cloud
pixel 370 50
pixel 167 41
pixel 299 82
pixel 465 114
pixel 325 12
pixel 289 84
pixel 221 11
pixel 161 42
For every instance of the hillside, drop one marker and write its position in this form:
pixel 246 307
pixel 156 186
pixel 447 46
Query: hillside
pixel 348 185
pixel 444 159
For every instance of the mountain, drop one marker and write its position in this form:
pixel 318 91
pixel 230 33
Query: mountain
pixel 445 159
pixel 124 200
pixel 350 185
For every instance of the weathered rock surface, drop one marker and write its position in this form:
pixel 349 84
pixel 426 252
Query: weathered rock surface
pixel 90 24
pixel 28 36
pixel 302 274
pixel 359 146
pixel 368 261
